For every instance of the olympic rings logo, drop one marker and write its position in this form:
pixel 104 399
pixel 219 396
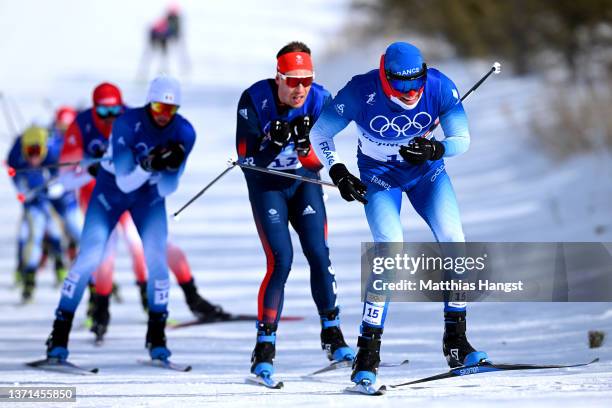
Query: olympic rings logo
pixel 402 125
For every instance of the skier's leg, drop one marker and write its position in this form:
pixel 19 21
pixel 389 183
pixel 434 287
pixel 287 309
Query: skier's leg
pixel 434 199
pixel 271 219
pixel 35 216
pixel 200 307
pixel 99 221
pixel 149 215
pixel 383 215
pixel 308 217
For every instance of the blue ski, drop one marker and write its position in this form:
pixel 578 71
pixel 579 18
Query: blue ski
pixel 487 367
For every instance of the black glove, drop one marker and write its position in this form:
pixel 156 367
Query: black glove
pixel 97 152
pixel 93 169
pixel 421 149
pixel 280 132
pixel 300 130
pixel 174 156
pixel 160 158
pixel 154 160
pixel 351 188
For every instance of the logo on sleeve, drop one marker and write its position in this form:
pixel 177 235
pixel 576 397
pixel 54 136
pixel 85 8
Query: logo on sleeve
pixel 371 97
pixel 264 104
pixel 340 109
pixel 455 94
pixel 243 113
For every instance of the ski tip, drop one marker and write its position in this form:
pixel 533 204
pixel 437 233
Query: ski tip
pixel 187 368
pixel 595 360
pixel 94 370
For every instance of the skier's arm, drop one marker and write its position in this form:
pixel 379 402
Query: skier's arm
pixel 249 136
pixel 335 116
pixel 129 174
pixel 169 179
pixel 453 120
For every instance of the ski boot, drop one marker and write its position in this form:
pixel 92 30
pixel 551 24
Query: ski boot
pixel 332 340
pixel 262 359
pixel 156 336
pixel 365 365
pixel 100 316
pixel 29 282
pixel 455 345
pixel 200 307
pixel 144 300
pixel 57 343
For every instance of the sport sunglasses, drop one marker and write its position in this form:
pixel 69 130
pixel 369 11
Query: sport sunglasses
pixel 295 81
pixel 109 111
pixel 407 83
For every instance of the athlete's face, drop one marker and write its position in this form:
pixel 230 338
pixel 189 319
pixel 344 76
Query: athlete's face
pixel 411 97
pixel 162 113
pixel 293 87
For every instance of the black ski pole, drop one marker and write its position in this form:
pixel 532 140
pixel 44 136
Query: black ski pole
pixel 202 191
pixel 495 69
pixel 282 174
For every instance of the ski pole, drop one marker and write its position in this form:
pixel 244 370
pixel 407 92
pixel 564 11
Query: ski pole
pixel 82 163
pixel 282 174
pixel 231 165
pixel 495 69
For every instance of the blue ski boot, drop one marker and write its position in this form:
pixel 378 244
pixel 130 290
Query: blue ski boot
pixel 332 340
pixel 262 359
pixel 365 365
pixel 455 345
pixel 57 343
pixel 156 336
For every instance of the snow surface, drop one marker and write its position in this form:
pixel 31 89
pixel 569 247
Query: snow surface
pixel 507 190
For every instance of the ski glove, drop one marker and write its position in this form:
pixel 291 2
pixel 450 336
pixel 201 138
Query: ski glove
pixel 160 158
pixel 420 149
pixel 280 132
pixel 351 188
pixel 300 129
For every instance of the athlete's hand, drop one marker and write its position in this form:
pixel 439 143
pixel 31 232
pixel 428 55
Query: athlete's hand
pixel 421 149
pixel 280 132
pixel 174 156
pixel 300 129
pixel 351 188
pixel 154 160
pixel 162 158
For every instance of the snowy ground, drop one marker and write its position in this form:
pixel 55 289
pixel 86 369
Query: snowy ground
pixel 507 192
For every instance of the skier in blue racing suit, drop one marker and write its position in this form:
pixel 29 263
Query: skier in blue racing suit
pixel 148 147
pixel 394 106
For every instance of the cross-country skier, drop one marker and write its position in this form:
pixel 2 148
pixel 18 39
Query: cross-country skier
pixel 392 107
pixel 31 150
pixel 273 124
pixel 148 147
pixel 87 138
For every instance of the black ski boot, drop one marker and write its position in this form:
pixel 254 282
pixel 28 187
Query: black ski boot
pixel 57 343
pixel 332 340
pixel 156 336
pixel 455 345
pixel 262 359
pixel 144 300
pixel 200 307
pixel 100 316
pixel 365 366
